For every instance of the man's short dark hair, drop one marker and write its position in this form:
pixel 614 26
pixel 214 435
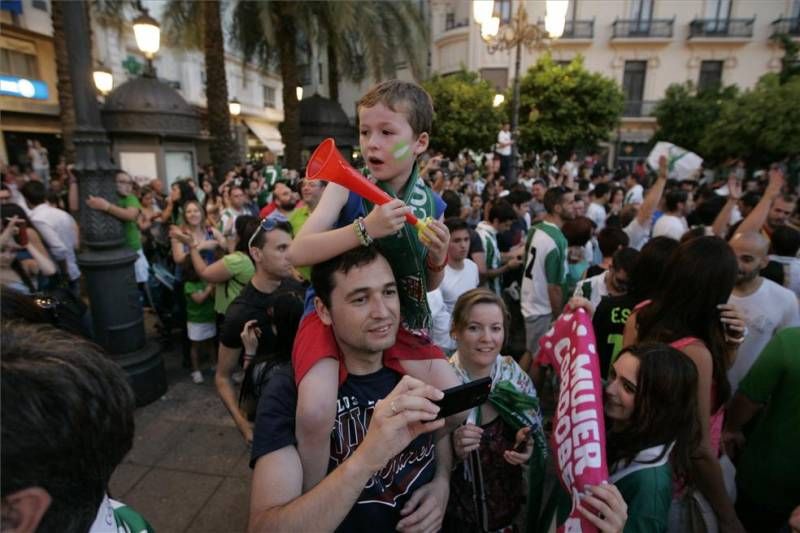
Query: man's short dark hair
pixel 554 197
pixel 611 239
pixel 518 197
pixel 452 203
pixel 673 198
pixel 456 224
pixel 785 241
pixel 67 421
pixel 322 274
pixel 625 259
pixel 600 190
pixel 261 237
pixel 502 212
pixel 34 192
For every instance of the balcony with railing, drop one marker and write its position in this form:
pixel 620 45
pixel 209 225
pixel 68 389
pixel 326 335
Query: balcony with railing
pixel 452 23
pixel 652 30
pixel 790 26
pixel 576 30
pixel 639 108
pixel 723 29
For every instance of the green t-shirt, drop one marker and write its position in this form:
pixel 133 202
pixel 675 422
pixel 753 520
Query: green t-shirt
pixel 769 469
pixel 241 269
pixel 647 492
pixel 195 312
pixel 133 238
pixel 297 218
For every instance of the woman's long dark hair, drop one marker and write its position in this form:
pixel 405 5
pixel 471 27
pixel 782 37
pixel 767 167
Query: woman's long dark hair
pixel 286 311
pixel 187 195
pixel 698 276
pixel 665 375
pixel 646 274
pixel 245 225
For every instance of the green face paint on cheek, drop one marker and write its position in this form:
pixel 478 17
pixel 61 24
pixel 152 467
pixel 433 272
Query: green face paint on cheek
pixel 401 150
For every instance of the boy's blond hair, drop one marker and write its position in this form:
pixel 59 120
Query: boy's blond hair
pixel 402 97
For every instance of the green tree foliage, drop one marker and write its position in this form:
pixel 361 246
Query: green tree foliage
pixel 366 37
pixel 566 107
pixel 464 114
pixel 761 126
pixel 685 114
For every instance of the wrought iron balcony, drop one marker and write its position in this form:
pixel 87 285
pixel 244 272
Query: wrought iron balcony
pixel 450 22
pixel 643 29
pixel 789 26
pixel 578 29
pixel 639 108
pixel 725 28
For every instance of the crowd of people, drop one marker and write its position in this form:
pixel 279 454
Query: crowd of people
pixel 315 309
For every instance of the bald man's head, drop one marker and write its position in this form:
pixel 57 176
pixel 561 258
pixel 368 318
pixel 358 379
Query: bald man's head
pixel 751 249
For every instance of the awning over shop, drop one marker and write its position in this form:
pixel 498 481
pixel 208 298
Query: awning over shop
pixel 635 136
pixel 267 134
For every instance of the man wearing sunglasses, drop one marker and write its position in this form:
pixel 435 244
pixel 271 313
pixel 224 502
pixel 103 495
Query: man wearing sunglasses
pixel 267 247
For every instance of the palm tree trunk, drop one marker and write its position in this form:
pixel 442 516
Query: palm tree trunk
pixel 222 148
pixel 333 74
pixel 64 83
pixel 290 127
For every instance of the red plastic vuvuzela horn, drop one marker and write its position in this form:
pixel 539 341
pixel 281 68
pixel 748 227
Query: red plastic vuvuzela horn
pixel 327 163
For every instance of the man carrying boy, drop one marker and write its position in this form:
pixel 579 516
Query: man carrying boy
pixel 385 472
pixel 395 118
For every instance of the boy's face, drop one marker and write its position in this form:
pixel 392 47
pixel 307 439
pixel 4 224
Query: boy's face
pixel 388 143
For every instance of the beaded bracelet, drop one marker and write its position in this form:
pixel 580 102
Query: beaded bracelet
pixel 361 232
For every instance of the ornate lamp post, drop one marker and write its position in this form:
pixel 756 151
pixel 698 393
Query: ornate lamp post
pixel 106 262
pixel 513 35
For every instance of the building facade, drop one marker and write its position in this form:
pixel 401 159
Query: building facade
pixel 29 108
pixel 645 45
pixel 27 53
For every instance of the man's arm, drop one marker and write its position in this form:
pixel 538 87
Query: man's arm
pixel 758 216
pixel 226 363
pixel 723 220
pixel 425 510
pixel 556 296
pixel 653 196
pixel 276 502
pixel 126 214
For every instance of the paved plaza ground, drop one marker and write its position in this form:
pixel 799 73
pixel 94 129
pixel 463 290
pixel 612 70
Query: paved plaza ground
pixel 188 469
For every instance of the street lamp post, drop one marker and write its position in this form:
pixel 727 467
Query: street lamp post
pixel 106 262
pixel 513 35
pixel 235 109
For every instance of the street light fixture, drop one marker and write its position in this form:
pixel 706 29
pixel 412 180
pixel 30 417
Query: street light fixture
pixel 498 100
pixel 482 10
pixel 103 79
pixel 299 93
pixel 148 38
pixel 234 107
pixel 512 36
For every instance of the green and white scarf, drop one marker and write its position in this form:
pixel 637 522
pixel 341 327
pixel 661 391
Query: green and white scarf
pixel 406 253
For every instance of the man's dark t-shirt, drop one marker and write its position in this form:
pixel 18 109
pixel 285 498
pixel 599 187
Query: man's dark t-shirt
pixel 609 324
pixel 379 504
pixel 252 304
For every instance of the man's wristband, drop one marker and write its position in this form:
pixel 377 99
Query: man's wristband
pixel 108 207
pixel 436 268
